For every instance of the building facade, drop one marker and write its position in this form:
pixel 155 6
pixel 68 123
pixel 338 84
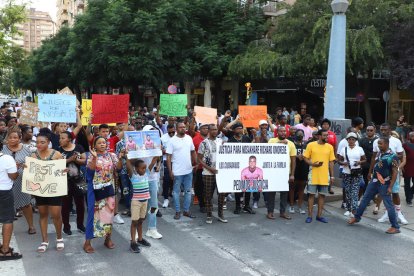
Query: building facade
pixel 39 26
pixel 67 10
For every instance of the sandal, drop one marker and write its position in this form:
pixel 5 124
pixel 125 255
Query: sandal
pixel 9 255
pixel 43 247
pixel 88 249
pixel 60 245
pixel 109 244
pixel 31 231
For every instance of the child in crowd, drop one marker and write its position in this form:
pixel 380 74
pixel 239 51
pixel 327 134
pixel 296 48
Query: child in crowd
pixel 138 174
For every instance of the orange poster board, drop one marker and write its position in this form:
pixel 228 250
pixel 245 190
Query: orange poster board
pixel 250 115
pixel 205 115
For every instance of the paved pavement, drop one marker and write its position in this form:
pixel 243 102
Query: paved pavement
pixel 247 245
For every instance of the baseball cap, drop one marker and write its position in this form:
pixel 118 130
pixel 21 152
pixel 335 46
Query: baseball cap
pixel 263 122
pixel 351 135
pixel 236 125
pixel 148 127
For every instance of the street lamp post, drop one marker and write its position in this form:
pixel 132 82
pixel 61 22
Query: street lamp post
pixel 335 84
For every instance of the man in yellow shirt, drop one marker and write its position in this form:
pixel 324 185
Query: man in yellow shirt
pixel 270 196
pixel 320 156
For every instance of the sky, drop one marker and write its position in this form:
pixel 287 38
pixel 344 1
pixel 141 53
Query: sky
pixel 40 5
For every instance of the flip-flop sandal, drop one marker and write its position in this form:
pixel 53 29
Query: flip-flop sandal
pixel 60 245
pixel 31 231
pixel 4 256
pixel 43 247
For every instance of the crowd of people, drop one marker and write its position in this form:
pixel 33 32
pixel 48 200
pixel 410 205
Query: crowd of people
pixel 101 177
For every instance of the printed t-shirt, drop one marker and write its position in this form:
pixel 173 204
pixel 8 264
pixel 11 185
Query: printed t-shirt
pixel 208 148
pixel 180 149
pixel 320 153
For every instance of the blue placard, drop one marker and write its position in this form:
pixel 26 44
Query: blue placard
pixel 57 108
pixel 141 144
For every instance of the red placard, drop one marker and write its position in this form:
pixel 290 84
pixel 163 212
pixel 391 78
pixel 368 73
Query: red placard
pixel 110 108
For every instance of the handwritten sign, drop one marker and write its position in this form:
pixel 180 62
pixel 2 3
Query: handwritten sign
pixel 205 115
pixel 45 178
pixel 67 91
pixel 173 105
pixel 141 144
pixel 251 114
pixel 110 108
pixel 57 108
pixel 28 114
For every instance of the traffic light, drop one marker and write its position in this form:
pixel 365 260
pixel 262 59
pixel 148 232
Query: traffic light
pixel 248 90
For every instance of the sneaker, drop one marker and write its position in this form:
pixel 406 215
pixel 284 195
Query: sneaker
pixel 192 191
pixel 222 219
pixel 308 220
pixel 82 229
pixel 255 205
pixel 134 247
pixel 153 233
pixel 144 243
pixel 384 217
pixel 249 210
pixel 291 210
pixel 67 232
pixel 118 219
pixel 351 215
pixel 347 213
pixel 230 197
pixel 322 219
pixel 301 211
pixel 195 200
pixel 401 218
pixel 165 204
pixel 209 220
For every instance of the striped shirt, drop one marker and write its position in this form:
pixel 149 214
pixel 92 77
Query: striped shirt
pixel 140 187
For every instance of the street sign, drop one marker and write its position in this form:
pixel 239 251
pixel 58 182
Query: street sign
pixel 386 96
pixel 360 97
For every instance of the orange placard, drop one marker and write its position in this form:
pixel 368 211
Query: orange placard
pixel 205 115
pixel 250 115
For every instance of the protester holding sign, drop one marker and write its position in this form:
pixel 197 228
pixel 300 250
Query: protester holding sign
pixel 75 157
pixel 270 196
pixel 102 166
pixel 46 205
pixel 19 152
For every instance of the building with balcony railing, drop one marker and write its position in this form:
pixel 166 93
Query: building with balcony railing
pixel 67 10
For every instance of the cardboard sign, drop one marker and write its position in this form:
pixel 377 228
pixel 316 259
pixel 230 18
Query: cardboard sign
pixel 45 178
pixel 57 108
pixel 110 108
pixel 28 114
pixel 141 144
pixel 250 115
pixel 67 91
pixel 205 115
pixel 173 105
pixel 246 167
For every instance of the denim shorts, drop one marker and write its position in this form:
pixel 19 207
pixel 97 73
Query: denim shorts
pixel 396 187
pixel 321 189
pixel 6 206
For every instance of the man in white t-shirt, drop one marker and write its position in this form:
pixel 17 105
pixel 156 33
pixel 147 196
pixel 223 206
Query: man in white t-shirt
pixel 8 173
pixel 181 159
pixel 395 146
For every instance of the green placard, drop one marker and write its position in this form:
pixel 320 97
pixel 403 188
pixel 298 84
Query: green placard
pixel 173 105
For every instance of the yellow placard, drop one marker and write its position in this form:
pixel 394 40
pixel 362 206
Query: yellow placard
pixel 86 113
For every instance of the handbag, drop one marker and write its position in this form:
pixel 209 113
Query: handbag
pixel 81 187
pixel 354 172
pixel 104 192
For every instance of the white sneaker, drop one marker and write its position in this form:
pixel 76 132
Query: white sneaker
pixel 192 191
pixel 384 217
pixel 165 204
pixel 401 218
pixel 347 213
pixel 153 233
pixel 118 219
pixel 351 215
pixel 230 198
pixel 255 205
pixel 291 210
pixel 301 211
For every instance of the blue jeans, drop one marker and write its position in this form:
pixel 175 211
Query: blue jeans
pixel 185 181
pixel 374 188
pixel 153 203
pixel 127 187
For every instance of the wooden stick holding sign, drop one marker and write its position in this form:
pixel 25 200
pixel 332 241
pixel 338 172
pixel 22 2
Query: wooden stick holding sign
pixel 45 178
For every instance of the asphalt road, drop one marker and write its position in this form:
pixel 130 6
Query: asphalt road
pixel 247 245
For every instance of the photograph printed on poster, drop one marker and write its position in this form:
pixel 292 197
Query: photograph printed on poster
pixel 141 144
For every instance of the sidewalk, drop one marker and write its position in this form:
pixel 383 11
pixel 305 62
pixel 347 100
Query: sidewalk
pixel 335 201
